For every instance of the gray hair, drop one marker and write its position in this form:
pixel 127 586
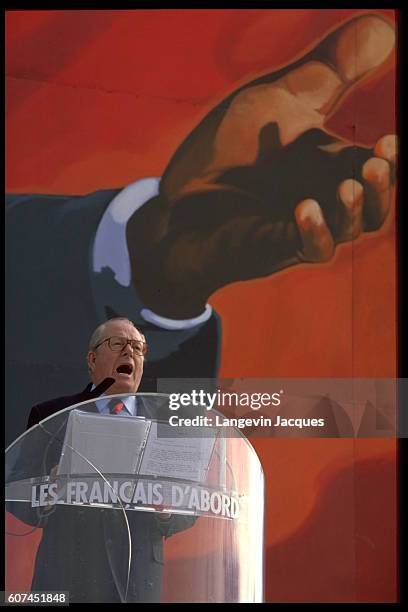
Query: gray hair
pixel 99 332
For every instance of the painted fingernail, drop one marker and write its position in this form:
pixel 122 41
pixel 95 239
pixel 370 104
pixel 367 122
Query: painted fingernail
pixel 376 170
pixel 351 193
pixel 309 213
pixel 387 147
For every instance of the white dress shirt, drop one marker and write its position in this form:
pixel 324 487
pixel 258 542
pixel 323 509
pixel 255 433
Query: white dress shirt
pixel 130 403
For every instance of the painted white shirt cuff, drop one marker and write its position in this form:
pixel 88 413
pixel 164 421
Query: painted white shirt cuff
pixel 176 324
pixel 112 231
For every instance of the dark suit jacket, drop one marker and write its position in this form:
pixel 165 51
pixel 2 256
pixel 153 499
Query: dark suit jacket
pixel 85 550
pixel 51 307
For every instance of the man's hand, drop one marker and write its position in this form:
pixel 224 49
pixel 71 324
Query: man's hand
pixel 261 183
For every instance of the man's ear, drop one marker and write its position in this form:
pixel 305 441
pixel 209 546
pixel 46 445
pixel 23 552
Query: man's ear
pixel 91 358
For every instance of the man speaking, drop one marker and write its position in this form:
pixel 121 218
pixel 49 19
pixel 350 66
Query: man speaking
pixel 96 554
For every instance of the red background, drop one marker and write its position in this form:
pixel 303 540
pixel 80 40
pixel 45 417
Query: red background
pixel 97 99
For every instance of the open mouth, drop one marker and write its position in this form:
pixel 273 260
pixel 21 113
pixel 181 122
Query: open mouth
pixel 125 368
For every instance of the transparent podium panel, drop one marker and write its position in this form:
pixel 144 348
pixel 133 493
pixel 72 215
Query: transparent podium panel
pixel 157 507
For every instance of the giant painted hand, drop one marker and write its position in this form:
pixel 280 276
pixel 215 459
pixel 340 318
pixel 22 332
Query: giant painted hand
pixel 262 184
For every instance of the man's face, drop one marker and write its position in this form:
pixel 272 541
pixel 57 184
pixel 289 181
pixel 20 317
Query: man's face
pixel 125 366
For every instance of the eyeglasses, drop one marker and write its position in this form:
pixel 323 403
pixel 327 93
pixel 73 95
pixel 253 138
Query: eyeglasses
pixel 117 343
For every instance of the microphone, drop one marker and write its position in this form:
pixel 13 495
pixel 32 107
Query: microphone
pixel 101 388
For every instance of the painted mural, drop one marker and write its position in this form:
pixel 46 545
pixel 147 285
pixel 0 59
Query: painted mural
pixel 225 179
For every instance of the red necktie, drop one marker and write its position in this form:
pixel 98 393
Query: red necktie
pixel 117 407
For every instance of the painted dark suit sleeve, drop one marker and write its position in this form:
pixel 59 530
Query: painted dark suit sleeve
pixel 51 308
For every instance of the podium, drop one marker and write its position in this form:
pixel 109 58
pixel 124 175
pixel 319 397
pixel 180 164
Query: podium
pixel 145 508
